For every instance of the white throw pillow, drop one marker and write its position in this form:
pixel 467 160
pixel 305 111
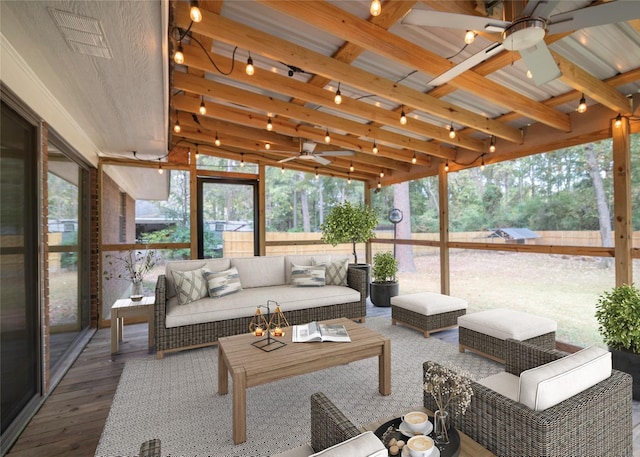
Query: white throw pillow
pixel 190 285
pixel 307 275
pixel 223 282
pixel 335 271
pixel 549 384
pixel 366 444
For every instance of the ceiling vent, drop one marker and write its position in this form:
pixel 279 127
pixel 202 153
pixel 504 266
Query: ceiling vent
pixel 82 34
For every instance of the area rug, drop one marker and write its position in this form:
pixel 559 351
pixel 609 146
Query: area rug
pixel 175 399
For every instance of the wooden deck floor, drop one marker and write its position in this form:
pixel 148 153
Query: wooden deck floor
pixel 71 420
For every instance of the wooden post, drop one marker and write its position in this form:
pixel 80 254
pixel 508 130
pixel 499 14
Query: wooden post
pixel 623 243
pixel 262 219
pixel 193 204
pixel 443 200
pixel 367 201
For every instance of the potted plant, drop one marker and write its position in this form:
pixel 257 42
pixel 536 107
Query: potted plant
pixel 384 284
pixel 618 315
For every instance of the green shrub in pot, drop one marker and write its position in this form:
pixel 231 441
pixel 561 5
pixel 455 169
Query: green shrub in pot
pixel 384 284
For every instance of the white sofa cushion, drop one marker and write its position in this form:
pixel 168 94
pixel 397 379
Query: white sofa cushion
pixel 507 323
pixel 260 271
pixel 504 383
pixel 244 302
pixel 549 384
pixel 366 444
pixel 186 265
pixel 335 270
pixel 307 275
pixel 190 285
pixel 223 282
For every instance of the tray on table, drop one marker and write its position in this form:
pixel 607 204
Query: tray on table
pixel 389 430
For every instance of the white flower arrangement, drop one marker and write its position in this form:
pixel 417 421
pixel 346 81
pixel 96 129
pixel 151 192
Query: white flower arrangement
pixel 137 264
pixel 449 386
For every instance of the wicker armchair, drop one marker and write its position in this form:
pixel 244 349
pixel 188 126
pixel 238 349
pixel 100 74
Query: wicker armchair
pixel 595 422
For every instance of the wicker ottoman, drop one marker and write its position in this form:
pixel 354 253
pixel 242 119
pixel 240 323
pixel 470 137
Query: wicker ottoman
pixel 485 332
pixel 427 311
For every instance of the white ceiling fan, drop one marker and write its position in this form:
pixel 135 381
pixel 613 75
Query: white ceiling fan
pixel 526 32
pixel 307 149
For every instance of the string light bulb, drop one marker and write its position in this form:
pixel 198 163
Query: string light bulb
pixel 282 169
pixel 250 69
pixel 492 145
pixel 482 163
pixel 348 178
pixel 217 140
pixel 176 126
pixel 414 159
pixel 338 98
pixel 376 8
pixel 160 170
pixel 452 132
pixel 529 74
pixel 582 106
pixel 267 146
pixel 327 137
pixel 469 37
pixel 618 122
pixel 403 117
pixel 269 124
pixel 382 173
pixel 197 152
pixel 351 167
pixel 202 109
pixel 241 160
pixel 379 184
pixel 178 57
pixel 317 175
pixel 194 13
pixel 446 166
pixel 375 147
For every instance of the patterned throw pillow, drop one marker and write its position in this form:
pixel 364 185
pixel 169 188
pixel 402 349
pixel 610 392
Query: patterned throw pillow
pixel 335 271
pixel 190 285
pixel 223 282
pixel 307 275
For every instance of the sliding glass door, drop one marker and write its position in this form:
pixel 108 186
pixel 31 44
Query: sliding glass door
pixel 19 298
pixel 227 218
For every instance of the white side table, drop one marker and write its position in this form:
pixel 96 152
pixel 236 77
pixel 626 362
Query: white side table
pixel 126 307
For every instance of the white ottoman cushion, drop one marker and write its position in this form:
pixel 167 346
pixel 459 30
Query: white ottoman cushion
pixel 366 444
pixel 429 303
pixel 507 323
pixel 549 384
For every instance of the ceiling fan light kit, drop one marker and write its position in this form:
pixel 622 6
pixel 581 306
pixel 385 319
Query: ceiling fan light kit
pixel 524 33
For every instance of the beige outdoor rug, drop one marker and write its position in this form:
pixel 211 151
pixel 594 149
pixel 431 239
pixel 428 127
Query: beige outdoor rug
pixel 175 399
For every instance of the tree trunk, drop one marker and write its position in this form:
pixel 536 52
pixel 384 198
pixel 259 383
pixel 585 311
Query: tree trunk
pixel 403 252
pixel 304 203
pixel 604 215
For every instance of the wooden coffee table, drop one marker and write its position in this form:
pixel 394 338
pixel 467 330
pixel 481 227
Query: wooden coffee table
pixel 250 366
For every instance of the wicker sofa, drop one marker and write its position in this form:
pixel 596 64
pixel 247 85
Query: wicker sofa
pixel 597 421
pixel 203 321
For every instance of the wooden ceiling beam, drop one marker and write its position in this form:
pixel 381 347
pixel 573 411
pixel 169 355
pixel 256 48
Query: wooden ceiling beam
pixel 338 22
pixel 285 143
pixel 323 120
pixel 273 82
pixel 249 119
pixel 583 81
pixel 238 34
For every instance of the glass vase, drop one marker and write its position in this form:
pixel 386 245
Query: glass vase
pixel 136 291
pixel 441 427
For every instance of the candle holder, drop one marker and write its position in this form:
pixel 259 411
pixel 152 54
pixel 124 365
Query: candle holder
pixel 272 325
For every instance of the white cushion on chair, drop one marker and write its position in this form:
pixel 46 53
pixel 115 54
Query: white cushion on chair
pixel 504 383
pixel 366 444
pixel 549 384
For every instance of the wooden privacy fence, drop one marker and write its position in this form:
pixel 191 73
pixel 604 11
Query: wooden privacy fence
pixel 240 244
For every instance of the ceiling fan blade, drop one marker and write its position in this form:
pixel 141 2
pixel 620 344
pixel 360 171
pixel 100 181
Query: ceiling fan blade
pixel 336 153
pixel 321 160
pixel 604 13
pixel 287 159
pixel 308 146
pixel 539 8
pixel 430 18
pixel 540 63
pixel 467 64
